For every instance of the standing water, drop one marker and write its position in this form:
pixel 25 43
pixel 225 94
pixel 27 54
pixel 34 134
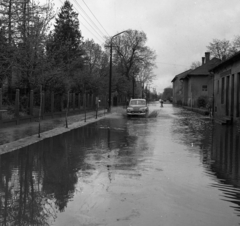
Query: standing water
pixel 172 168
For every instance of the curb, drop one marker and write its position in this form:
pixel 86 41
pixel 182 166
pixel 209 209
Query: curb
pixel 24 142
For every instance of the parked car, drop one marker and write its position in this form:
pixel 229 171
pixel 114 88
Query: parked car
pixel 137 107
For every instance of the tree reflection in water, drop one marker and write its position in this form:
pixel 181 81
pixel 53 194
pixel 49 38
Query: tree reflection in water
pixel 37 182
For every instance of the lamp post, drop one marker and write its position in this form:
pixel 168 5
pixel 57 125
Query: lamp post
pixel 110 73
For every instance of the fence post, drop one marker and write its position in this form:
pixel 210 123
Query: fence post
pixel 31 105
pixel 40 112
pixel 0 105
pixel 74 100
pixel 70 100
pixel 92 101
pixel 61 103
pixel 84 104
pixel 43 103
pixel 52 103
pixel 105 104
pixel 87 101
pixel 67 109
pixel 17 106
pixel 79 102
pixel 97 104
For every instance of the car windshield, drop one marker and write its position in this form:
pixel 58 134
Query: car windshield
pixel 137 102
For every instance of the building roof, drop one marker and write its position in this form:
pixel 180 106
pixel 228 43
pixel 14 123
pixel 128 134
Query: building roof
pixel 228 61
pixel 181 75
pixel 205 68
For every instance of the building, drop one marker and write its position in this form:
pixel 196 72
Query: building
pixel 178 88
pixel 198 83
pixel 227 89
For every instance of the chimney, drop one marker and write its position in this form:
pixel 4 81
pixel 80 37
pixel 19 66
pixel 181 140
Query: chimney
pixel 207 56
pixel 203 59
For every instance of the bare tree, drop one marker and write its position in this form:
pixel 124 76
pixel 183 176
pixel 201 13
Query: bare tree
pixel 236 42
pixel 94 55
pixel 132 55
pixel 221 48
pixel 27 24
pixel 195 64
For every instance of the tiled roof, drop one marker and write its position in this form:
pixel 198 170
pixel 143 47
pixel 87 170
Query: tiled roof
pixel 231 59
pixel 205 68
pixel 181 75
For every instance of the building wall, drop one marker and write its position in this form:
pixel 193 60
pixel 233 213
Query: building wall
pixel 227 92
pixel 177 91
pixel 185 92
pixel 199 86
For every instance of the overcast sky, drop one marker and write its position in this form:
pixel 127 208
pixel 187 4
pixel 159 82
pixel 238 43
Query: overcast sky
pixel 178 30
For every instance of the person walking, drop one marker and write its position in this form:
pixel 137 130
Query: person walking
pixel 161 102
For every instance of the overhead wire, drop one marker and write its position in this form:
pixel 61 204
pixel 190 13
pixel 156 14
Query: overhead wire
pixel 88 16
pixel 170 64
pixel 91 32
pixel 99 37
pixel 95 17
pixel 96 29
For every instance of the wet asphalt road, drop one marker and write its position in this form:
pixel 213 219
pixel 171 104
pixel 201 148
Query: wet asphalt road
pixel 171 168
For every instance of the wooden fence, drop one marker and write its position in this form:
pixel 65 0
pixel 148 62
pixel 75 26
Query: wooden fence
pixel 47 105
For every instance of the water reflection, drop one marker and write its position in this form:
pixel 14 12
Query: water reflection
pixel 218 148
pixel 37 182
pixel 225 163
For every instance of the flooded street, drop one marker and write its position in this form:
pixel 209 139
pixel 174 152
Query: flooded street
pixel 172 168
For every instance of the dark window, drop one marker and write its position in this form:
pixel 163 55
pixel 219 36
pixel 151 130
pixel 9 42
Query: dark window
pixel 204 88
pixel 222 90
pixel 238 94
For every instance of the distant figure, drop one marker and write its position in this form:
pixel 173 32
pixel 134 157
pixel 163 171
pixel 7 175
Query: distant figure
pixel 161 102
pixel 127 102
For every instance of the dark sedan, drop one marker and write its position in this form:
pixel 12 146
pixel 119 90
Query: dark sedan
pixel 137 107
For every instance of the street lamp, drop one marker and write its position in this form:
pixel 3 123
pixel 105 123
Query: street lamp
pixel 110 73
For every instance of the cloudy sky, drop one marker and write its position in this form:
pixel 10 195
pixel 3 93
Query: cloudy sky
pixel 178 30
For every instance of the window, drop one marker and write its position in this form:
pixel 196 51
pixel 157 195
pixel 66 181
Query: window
pixel 222 90
pixel 204 88
pixel 238 94
pixel 138 102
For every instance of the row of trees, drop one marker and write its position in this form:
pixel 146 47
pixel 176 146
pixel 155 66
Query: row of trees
pixel 221 49
pixel 34 53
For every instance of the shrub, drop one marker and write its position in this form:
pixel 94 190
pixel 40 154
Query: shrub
pixel 202 101
pixel 179 102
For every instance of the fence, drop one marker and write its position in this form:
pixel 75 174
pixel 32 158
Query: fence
pixel 40 105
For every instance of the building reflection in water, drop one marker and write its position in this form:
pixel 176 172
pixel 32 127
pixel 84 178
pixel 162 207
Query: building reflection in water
pixel 225 162
pixel 219 151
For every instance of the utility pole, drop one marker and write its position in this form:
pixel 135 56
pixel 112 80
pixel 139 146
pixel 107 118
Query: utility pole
pixel 110 73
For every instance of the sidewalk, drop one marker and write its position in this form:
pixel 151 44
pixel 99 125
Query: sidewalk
pixel 17 136
pixel 201 111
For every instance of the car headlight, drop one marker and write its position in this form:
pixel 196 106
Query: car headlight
pixel 129 109
pixel 143 109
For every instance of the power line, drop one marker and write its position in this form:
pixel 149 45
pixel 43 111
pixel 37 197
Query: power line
pixel 91 32
pixel 171 64
pixel 96 18
pixel 98 30
pixel 88 17
pixel 86 26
